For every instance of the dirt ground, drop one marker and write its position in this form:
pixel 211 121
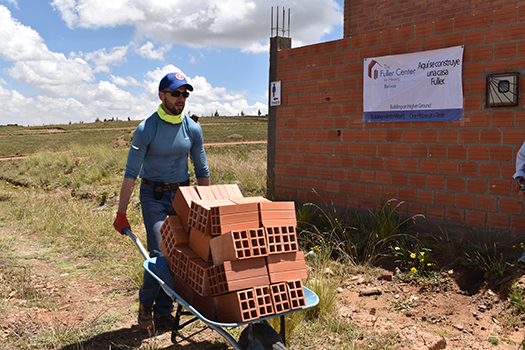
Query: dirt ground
pixel 456 314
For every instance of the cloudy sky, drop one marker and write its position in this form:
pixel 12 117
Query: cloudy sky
pixel 65 61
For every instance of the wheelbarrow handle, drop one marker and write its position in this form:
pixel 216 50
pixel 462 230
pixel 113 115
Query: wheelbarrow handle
pixel 138 243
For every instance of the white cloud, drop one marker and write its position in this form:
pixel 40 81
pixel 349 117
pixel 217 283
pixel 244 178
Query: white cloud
pixel 103 60
pixel 34 64
pixel 105 100
pixel 147 51
pixel 59 77
pixel 238 24
pixel 124 81
pixel 83 86
pixel 19 42
pixel 98 13
pixel 12 2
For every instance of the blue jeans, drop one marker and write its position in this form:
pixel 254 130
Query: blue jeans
pixel 154 212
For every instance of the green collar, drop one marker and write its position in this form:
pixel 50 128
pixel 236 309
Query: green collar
pixel 173 119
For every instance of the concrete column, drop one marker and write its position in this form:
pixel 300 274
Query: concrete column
pixel 276 44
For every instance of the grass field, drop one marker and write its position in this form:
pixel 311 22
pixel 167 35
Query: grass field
pixel 21 140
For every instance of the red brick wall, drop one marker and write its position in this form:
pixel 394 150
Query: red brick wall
pixel 452 171
pixel 367 15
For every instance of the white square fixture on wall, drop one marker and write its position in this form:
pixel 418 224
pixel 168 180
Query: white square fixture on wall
pixel 502 89
pixel 275 93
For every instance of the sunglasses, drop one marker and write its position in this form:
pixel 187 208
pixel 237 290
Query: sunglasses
pixel 177 93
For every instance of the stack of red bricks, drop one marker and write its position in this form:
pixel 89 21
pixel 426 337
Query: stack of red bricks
pixel 234 258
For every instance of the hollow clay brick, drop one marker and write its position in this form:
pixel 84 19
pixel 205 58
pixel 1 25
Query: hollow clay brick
pixel 232 191
pixel 280 298
pixel 256 200
pixel 236 307
pixel 200 244
pixel 219 192
pixel 296 294
pixel 182 203
pixel 286 267
pixel 198 276
pixel 200 214
pixel 277 214
pixel 230 246
pixel 235 275
pixel 242 200
pixel 258 242
pixel 168 256
pixel 228 217
pixel 236 245
pixel 173 233
pixel 182 288
pixel 181 260
pixel 205 192
pixel 263 296
pixel 281 239
pixel 204 305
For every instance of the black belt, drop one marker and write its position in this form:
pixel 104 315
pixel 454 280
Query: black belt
pixel 167 187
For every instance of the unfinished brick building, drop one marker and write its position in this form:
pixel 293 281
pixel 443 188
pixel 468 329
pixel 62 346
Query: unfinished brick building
pixel 460 172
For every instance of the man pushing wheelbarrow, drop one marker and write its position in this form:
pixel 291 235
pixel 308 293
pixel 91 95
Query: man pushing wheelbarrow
pixel 159 155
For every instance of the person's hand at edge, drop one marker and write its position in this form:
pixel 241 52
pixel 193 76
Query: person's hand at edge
pixel 520 182
pixel 121 222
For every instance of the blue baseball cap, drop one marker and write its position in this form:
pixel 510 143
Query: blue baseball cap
pixel 174 81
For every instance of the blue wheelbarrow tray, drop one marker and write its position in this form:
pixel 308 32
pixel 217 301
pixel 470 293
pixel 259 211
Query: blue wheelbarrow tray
pixel 158 268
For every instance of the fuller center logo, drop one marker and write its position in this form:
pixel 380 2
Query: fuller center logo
pixel 373 69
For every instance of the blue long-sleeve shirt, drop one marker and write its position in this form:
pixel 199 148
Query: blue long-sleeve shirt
pixel 159 151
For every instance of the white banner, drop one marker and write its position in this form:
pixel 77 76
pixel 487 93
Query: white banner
pixel 421 86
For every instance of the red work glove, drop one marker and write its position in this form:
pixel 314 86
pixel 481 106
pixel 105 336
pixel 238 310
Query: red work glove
pixel 121 222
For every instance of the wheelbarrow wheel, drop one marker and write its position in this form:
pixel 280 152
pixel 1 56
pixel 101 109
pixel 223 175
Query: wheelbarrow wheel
pixel 264 338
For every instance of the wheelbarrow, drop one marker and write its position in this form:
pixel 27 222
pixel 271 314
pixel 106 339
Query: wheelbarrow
pixel 258 334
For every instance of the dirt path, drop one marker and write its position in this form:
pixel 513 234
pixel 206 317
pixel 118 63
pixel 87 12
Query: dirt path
pixel 205 144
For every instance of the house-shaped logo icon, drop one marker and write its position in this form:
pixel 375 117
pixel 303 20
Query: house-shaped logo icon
pixel 373 72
